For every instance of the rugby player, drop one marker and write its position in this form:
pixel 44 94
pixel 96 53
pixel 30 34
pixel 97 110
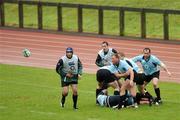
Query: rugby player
pixel 131 77
pixel 105 78
pixel 150 64
pixel 104 55
pixel 114 100
pixel 69 68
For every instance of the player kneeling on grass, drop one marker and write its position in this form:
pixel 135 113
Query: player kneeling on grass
pixel 106 78
pixel 69 68
pixel 114 100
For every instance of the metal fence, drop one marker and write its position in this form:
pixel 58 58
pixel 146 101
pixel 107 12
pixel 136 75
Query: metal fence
pixel 80 7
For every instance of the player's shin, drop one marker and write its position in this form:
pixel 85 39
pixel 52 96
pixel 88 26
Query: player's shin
pixel 157 91
pixel 63 99
pixel 75 98
pixel 97 93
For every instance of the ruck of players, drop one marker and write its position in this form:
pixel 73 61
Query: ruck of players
pixel 128 77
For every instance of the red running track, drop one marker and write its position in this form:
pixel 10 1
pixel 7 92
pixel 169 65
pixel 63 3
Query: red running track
pixel 47 48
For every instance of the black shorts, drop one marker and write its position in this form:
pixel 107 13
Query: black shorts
pixel 63 84
pixel 104 75
pixel 148 78
pixel 139 78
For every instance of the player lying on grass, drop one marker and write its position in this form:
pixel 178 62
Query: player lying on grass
pixel 150 64
pixel 69 68
pixel 114 100
pixel 104 55
pixel 106 78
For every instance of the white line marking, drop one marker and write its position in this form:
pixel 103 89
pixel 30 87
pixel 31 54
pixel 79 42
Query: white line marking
pixel 43 113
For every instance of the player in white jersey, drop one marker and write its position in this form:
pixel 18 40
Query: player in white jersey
pixel 104 55
pixel 69 68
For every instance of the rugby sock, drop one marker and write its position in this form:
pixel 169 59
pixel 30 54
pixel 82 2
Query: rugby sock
pixel 148 95
pixel 157 91
pixel 75 97
pixel 63 99
pixel 97 92
pixel 116 92
pixel 135 100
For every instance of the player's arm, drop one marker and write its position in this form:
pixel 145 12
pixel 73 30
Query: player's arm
pixel 137 58
pixel 80 67
pixel 162 65
pixel 114 51
pixel 59 67
pixel 99 61
pixel 120 75
pixel 131 73
pixel 127 68
pixel 165 68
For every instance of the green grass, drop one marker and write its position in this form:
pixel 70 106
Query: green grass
pixel 33 94
pixel 111 24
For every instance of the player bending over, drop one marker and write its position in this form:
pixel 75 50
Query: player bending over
pixel 105 78
pixel 69 68
pixel 131 77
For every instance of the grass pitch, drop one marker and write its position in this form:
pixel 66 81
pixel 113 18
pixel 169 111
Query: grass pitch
pixel 28 93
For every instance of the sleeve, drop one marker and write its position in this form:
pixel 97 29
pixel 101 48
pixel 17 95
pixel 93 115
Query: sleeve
pixel 59 67
pixel 126 66
pixel 80 67
pixel 113 69
pixel 136 59
pixel 157 61
pixel 114 51
pixel 99 61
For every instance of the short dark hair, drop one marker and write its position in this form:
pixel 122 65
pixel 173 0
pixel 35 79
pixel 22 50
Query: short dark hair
pixel 121 54
pixel 145 49
pixel 105 42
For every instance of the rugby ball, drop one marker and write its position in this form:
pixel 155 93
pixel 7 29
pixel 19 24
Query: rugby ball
pixel 26 53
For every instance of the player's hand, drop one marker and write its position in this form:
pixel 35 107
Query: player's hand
pixel 69 75
pixel 79 76
pixel 117 75
pixel 131 83
pixel 169 74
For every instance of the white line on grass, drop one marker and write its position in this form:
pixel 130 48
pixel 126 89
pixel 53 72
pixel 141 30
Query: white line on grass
pixel 43 113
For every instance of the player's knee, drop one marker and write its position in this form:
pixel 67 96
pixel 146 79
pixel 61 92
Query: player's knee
pixel 65 93
pixel 155 83
pixel 75 93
